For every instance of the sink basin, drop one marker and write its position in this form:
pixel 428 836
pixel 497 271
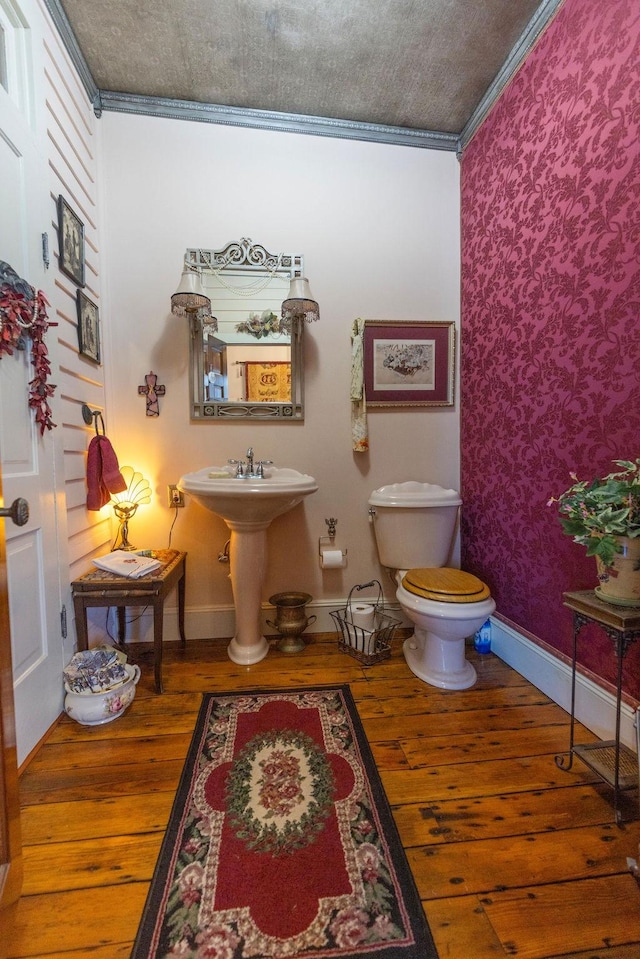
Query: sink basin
pixel 248 502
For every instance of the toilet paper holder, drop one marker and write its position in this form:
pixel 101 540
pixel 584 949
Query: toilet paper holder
pixel 327 551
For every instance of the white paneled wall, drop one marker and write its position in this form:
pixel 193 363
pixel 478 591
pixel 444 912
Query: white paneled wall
pixel 72 157
pixel 50 148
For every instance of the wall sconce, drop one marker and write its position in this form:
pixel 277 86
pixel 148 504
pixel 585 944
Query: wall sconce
pixel 300 304
pixel 190 298
pixel 125 504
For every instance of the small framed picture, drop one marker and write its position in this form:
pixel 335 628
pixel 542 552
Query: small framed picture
pixel 409 364
pixel 70 242
pixel 88 328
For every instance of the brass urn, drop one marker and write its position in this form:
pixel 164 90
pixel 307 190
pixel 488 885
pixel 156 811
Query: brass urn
pixel 291 619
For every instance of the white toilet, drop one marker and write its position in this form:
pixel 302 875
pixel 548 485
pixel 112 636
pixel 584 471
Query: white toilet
pixel 414 525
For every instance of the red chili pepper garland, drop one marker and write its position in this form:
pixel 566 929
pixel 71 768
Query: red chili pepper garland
pixel 21 316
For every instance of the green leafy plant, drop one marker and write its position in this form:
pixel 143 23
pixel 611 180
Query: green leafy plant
pixel 595 512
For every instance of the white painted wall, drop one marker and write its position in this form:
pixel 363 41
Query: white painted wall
pixel 379 228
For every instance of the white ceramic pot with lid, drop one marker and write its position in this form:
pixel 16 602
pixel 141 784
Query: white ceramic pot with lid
pixel 95 709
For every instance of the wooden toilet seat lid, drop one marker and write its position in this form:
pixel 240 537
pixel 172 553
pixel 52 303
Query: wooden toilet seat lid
pixel 445 585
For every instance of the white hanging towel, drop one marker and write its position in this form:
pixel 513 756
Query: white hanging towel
pixel 359 426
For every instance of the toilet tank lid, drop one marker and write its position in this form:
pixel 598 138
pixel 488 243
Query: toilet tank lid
pixel 413 494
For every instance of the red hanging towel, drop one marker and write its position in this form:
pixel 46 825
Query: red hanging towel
pixel 103 473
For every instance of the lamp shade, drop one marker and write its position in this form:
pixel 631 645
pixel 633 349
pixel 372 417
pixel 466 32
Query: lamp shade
pixel 190 296
pixel 138 489
pixel 300 301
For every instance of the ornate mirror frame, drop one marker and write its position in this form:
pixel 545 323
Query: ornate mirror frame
pixel 246 285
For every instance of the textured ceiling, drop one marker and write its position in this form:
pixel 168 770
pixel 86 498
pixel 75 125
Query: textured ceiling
pixel 415 64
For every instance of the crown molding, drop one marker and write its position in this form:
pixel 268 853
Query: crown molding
pixel 272 120
pixel 538 23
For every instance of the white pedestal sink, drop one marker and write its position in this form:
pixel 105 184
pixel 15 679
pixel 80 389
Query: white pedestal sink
pixel 248 505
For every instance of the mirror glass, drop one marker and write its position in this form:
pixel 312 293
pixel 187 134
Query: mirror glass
pixel 250 365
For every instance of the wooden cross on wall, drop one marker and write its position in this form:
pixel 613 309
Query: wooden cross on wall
pixel 152 391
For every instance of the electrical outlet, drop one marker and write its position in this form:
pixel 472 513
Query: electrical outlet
pixel 176 496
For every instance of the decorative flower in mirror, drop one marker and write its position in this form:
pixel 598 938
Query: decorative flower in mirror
pixel 266 324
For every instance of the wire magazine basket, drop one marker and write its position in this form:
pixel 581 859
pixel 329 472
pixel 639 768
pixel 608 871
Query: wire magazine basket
pixel 369 646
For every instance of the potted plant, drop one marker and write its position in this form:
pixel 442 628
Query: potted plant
pixel 603 515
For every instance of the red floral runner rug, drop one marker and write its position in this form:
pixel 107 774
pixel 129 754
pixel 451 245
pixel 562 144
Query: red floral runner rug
pixel 281 841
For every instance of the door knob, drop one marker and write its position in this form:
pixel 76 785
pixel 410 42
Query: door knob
pixel 18 511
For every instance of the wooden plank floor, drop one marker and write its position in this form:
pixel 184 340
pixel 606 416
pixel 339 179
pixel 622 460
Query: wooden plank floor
pixel 512 856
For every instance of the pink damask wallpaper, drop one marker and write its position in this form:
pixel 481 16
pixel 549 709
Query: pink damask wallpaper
pixel 550 341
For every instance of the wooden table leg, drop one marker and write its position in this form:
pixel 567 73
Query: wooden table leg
pixel 122 625
pixel 181 596
pixel 158 621
pixel 80 611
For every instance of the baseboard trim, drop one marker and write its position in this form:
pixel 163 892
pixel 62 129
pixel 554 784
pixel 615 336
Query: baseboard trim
pixel 208 622
pixel 595 707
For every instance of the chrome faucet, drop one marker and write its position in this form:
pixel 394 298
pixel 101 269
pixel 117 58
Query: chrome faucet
pixel 249 469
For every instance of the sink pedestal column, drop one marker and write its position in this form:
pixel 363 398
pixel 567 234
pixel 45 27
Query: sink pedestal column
pixel 247 560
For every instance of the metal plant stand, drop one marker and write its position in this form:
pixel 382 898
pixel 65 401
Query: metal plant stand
pixel 614 762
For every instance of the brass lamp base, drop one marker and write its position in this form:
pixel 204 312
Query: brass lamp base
pixel 124 512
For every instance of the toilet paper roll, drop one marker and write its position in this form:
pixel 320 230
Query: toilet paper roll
pixel 331 559
pixel 361 639
pixel 354 636
pixel 360 623
pixel 361 614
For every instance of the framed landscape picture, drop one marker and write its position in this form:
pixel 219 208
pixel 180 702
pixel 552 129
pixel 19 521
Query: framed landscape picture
pixel 409 364
pixel 70 242
pixel 88 328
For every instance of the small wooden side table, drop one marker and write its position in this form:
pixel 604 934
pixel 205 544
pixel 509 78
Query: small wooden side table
pixel 614 762
pixel 100 588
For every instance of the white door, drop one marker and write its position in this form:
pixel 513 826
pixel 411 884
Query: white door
pixel 28 461
pixel 10 833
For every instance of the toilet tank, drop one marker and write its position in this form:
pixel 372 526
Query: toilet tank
pixel 414 524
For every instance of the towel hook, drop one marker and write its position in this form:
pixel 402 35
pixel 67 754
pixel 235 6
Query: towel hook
pixel 91 416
